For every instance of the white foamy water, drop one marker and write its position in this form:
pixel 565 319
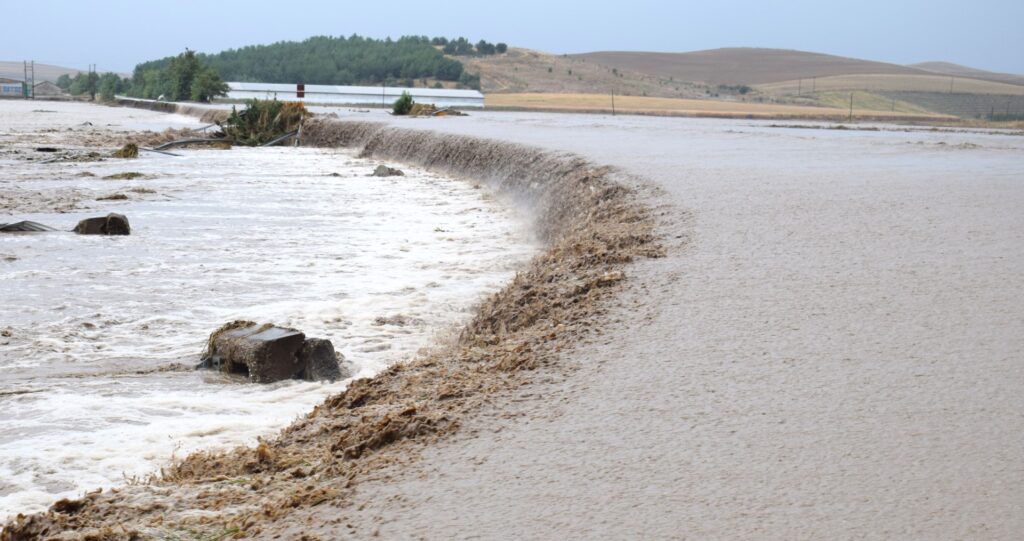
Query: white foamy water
pixel 263 234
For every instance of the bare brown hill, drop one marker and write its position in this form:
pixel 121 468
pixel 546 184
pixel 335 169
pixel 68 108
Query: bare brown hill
pixel 44 72
pixel 734 66
pixel 525 70
pixel 956 70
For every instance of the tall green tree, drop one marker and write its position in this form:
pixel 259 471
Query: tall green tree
pixel 109 85
pixel 206 85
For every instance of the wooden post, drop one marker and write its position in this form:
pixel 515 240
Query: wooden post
pixel 851 107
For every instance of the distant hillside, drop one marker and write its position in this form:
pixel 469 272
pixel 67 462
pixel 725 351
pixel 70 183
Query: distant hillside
pixel 735 66
pixel 956 70
pixel 925 82
pixel 525 70
pixel 44 72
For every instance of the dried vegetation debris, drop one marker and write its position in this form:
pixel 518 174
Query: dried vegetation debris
pixel 593 227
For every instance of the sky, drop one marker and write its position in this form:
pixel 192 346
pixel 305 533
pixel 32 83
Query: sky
pixel 116 35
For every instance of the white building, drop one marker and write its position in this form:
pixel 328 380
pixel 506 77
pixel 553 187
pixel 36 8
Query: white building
pixel 11 88
pixel 353 95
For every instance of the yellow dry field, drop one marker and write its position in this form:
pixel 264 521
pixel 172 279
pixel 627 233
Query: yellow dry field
pixel 673 106
pixel 892 83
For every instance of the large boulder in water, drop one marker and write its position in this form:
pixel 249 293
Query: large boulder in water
pixel 111 224
pixel 267 353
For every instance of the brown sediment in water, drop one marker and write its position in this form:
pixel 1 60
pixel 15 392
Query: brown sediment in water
pixel 592 227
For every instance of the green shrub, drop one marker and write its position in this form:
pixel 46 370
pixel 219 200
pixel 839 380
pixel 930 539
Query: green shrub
pixel 262 121
pixel 403 104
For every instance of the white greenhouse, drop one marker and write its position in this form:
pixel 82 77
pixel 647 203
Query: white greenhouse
pixel 353 95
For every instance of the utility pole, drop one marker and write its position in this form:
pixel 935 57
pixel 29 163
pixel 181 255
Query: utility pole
pixel 613 102
pixel 29 86
pixel 92 81
pixel 851 107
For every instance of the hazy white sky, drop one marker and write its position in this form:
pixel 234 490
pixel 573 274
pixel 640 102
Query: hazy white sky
pixel 116 35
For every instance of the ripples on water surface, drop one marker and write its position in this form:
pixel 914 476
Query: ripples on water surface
pixel 268 235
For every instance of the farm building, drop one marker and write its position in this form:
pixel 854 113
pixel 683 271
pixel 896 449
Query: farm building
pixel 46 88
pixel 353 95
pixel 11 88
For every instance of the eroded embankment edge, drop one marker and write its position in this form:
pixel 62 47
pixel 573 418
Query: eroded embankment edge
pixel 592 227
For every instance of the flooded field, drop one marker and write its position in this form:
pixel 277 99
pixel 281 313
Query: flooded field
pixel 98 333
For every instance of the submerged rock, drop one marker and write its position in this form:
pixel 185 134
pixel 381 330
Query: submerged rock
pixel 111 224
pixel 385 171
pixel 267 353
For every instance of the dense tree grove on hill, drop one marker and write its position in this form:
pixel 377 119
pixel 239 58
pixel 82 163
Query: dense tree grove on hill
pixel 462 47
pixel 330 60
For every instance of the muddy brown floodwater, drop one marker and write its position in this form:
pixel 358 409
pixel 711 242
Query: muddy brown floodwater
pixel 832 349
pixel 740 331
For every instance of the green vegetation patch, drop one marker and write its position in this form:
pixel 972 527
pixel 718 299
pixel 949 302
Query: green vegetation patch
pixel 263 121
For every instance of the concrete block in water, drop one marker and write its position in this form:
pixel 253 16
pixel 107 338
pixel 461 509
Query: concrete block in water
pixel 267 353
pixel 111 224
pixel 321 361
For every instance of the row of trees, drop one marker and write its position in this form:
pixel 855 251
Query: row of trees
pixel 181 78
pixel 107 85
pixel 317 60
pixel 462 47
pixel 330 60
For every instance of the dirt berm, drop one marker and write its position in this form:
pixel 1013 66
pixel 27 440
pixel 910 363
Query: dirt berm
pixel 593 228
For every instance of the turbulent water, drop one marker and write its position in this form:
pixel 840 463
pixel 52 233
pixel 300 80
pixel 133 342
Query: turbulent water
pixel 298 237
